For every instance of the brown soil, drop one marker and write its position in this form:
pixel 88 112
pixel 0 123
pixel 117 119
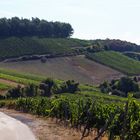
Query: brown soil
pixel 10 83
pixel 97 72
pixel 77 68
pixel 47 129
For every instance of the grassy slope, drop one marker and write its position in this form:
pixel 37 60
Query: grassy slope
pixel 24 78
pixel 117 61
pixel 13 46
pixel 4 86
pixel 77 68
pixel 20 77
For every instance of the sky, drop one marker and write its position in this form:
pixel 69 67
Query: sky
pixel 91 19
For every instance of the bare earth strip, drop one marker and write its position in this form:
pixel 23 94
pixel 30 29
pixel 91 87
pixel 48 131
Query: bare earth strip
pixel 47 129
pixel 10 83
pixel 77 68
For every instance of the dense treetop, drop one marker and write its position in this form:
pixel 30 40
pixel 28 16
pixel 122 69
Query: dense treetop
pixel 115 45
pixel 34 27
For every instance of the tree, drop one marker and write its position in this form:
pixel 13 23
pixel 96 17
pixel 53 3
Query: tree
pixel 34 27
pixel 69 86
pixel 47 87
pixel 15 92
pixel 126 85
pixel 31 90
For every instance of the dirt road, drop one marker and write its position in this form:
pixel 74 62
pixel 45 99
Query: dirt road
pixel 47 129
pixel 12 129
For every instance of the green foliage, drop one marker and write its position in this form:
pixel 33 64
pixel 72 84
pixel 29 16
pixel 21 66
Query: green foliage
pixel 21 75
pixel 30 90
pixel 120 120
pixel 69 86
pixel 93 49
pixel 116 45
pixel 34 27
pixel 120 87
pixel 16 47
pixel 22 78
pixel 4 86
pixel 105 87
pixel 126 85
pixel 15 92
pixel 47 86
pixel 117 61
pixel 18 79
pixel 134 55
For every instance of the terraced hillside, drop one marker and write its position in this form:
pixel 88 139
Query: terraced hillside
pixel 117 61
pixel 77 67
pixel 16 47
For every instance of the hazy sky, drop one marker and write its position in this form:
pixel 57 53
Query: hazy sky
pixel 91 19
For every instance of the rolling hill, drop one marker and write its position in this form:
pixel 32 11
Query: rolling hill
pixel 16 47
pixel 77 68
pixel 116 61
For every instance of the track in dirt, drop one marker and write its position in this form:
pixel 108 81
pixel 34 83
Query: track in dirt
pixel 77 68
pixel 47 129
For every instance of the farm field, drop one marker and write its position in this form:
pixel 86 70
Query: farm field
pixel 16 47
pixel 77 110
pixel 117 61
pixel 77 68
pixel 4 85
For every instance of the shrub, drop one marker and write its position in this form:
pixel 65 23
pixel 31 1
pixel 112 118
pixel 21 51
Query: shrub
pixel 69 86
pixel 15 92
pixel 47 86
pixel 30 90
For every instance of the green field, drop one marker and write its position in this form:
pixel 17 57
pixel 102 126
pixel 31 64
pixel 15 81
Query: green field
pixel 86 107
pixel 16 47
pixel 4 86
pixel 117 61
pixel 21 78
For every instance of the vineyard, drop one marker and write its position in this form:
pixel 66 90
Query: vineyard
pixel 87 110
pixel 16 47
pixel 21 78
pixel 117 61
pixel 117 120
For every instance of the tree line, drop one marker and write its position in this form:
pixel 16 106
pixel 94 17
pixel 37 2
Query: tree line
pixel 121 87
pixel 34 27
pixel 46 88
pixel 113 44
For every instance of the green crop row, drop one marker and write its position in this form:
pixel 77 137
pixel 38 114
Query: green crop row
pixel 121 119
pixel 18 79
pixel 4 86
pixel 16 47
pixel 22 75
pixel 117 61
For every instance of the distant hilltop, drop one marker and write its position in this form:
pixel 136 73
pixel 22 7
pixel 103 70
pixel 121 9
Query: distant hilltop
pixel 35 27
